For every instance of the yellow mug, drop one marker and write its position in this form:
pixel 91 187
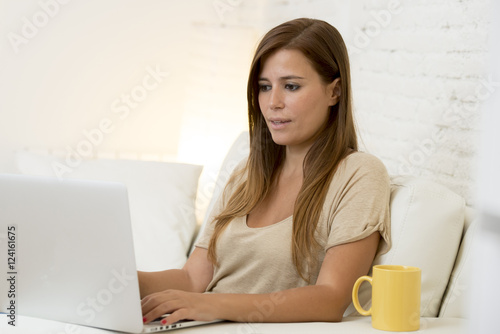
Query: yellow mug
pixel 395 297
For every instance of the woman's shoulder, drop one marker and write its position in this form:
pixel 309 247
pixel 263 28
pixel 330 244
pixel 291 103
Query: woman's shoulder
pixel 359 174
pixel 361 166
pixel 362 161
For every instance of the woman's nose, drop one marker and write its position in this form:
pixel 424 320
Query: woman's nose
pixel 276 100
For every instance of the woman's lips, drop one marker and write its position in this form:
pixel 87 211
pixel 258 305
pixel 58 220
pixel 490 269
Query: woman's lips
pixel 278 124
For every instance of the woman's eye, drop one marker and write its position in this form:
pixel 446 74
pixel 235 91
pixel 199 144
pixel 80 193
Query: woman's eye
pixel 292 87
pixel 264 88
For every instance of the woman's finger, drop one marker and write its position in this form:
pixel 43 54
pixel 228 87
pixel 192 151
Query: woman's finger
pixel 156 310
pixel 148 305
pixel 178 315
pixel 151 301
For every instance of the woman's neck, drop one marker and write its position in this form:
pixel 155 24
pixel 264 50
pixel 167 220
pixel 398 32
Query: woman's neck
pixel 293 164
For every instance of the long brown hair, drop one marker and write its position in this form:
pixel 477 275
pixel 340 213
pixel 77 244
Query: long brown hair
pixel 323 45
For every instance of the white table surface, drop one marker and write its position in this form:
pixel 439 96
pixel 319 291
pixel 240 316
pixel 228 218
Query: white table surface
pixel 28 325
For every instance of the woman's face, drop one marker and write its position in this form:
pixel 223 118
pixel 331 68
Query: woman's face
pixel 294 101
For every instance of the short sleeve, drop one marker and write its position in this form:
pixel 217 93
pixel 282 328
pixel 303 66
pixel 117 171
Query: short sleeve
pixel 358 201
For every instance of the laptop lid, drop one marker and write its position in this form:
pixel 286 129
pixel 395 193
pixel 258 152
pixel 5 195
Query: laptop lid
pixel 74 257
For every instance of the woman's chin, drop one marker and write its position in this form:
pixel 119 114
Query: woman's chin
pixel 279 140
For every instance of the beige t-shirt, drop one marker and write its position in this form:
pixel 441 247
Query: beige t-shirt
pixel 259 260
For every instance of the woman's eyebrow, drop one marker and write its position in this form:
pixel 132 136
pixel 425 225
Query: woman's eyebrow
pixel 287 77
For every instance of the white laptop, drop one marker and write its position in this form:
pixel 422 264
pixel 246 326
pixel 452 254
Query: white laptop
pixel 74 256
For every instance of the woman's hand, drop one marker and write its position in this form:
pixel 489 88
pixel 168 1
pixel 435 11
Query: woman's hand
pixel 180 304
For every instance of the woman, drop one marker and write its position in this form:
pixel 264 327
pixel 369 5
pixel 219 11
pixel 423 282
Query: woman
pixel 304 216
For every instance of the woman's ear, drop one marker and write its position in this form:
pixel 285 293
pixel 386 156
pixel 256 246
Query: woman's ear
pixel 334 89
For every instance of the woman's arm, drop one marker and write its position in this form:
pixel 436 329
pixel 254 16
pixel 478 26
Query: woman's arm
pixel 325 301
pixel 193 277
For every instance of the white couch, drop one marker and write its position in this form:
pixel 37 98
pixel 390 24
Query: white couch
pixel 432 228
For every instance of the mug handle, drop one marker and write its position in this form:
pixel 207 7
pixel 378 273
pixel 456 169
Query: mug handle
pixel 355 299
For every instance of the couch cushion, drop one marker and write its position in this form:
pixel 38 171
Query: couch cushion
pixel 239 151
pixel 456 298
pixel 161 195
pixel 427 221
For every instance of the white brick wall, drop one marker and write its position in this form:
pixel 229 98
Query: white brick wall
pixel 418 86
pixel 419 76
